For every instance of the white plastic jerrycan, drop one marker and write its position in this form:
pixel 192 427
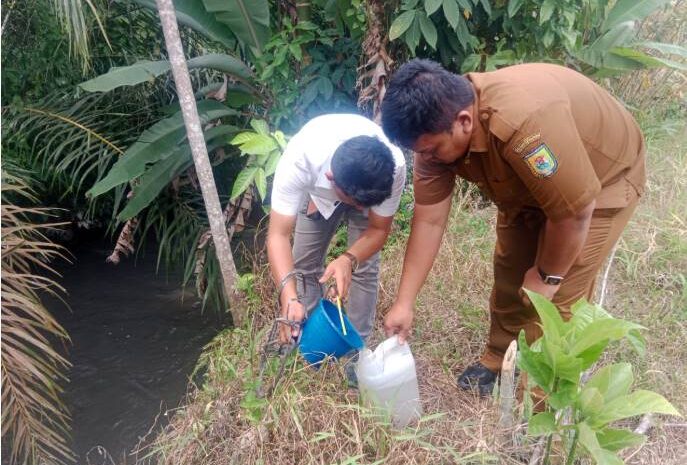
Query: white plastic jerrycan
pixel 387 379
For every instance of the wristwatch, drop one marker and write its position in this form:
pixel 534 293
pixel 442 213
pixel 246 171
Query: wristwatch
pixel 354 261
pixel 550 279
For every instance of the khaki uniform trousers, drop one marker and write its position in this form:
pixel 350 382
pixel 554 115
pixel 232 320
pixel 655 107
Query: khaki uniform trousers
pixel 518 235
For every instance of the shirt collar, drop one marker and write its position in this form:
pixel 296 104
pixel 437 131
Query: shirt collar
pixel 478 141
pixel 322 180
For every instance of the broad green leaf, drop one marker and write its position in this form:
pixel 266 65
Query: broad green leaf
pixel 151 183
pixel 156 178
pixel 306 26
pixel 590 401
pixel 670 49
pixel 243 137
pixel 647 60
pixel 145 71
pixel 564 395
pixel 249 20
pixel 281 140
pixel 534 365
pixel 553 324
pixel 464 36
pixel 636 403
pixel 243 181
pixel 618 439
pixel 541 424
pixel 271 164
pixel 602 330
pixel 154 144
pixel 598 53
pixel 261 183
pixel 413 35
pixel 260 126
pixel 401 24
pixel 219 131
pixel 237 93
pixel 428 30
pixel 467 5
pixel 296 51
pixel 591 355
pixel 588 440
pixel 500 58
pixel 221 62
pixel 584 313
pixel 611 381
pixel 513 7
pixel 615 37
pixel 259 145
pixel 191 13
pixel 547 40
pixel 630 10
pixel 432 5
pixel 637 342
pixel 325 87
pixel 471 63
pixel 546 11
pixel 451 12
pixel 141 71
pixel 566 367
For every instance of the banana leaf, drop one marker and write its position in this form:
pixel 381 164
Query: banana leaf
pixel 249 20
pixel 191 13
pixel 145 71
pixel 155 144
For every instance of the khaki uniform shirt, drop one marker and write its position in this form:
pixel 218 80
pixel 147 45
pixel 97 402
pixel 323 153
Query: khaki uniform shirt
pixel 544 136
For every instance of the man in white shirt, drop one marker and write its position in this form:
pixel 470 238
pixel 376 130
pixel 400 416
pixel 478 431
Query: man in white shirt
pixel 337 167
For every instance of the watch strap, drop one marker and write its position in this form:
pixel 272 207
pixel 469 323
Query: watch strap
pixel 550 279
pixel 353 259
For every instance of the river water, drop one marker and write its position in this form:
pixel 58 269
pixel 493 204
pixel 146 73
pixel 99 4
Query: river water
pixel 136 337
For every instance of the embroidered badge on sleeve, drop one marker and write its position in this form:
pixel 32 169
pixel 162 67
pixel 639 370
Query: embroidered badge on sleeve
pixel 541 161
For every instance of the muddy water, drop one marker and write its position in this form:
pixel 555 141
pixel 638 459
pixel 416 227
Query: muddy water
pixel 136 338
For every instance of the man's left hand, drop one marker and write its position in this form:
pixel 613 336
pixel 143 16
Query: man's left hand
pixel 340 270
pixel 533 282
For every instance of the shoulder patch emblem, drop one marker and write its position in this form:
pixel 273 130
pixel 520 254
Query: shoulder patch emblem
pixel 541 161
pixel 522 145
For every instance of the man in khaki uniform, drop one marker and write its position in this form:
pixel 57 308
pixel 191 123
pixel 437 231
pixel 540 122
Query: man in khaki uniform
pixel 559 156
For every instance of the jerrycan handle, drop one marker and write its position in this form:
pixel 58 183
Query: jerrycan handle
pixel 392 345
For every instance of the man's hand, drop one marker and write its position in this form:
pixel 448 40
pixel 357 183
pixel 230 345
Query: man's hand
pixel 295 311
pixel 399 320
pixel 340 270
pixel 533 282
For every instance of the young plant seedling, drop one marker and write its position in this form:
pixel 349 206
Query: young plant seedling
pixel 582 414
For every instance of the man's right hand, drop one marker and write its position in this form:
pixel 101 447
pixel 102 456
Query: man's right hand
pixel 399 320
pixel 292 310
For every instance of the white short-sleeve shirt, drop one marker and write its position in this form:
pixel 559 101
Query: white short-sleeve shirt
pixel 302 167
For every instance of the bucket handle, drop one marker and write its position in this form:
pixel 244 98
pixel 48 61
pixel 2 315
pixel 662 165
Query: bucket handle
pixel 273 347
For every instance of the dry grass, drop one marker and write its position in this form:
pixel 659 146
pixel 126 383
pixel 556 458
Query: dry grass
pixel 648 284
pixel 313 419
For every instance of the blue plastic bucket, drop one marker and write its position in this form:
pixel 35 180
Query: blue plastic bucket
pixel 322 337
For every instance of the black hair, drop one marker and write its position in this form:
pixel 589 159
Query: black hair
pixel 363 168
pixel 423 98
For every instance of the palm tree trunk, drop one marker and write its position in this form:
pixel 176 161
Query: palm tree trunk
pixel 199 150
pixel 373 74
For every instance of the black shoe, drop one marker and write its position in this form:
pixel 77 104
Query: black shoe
pixel 351 376
pixel 479 377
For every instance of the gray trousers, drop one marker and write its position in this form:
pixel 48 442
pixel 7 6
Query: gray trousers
pixel 312 237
